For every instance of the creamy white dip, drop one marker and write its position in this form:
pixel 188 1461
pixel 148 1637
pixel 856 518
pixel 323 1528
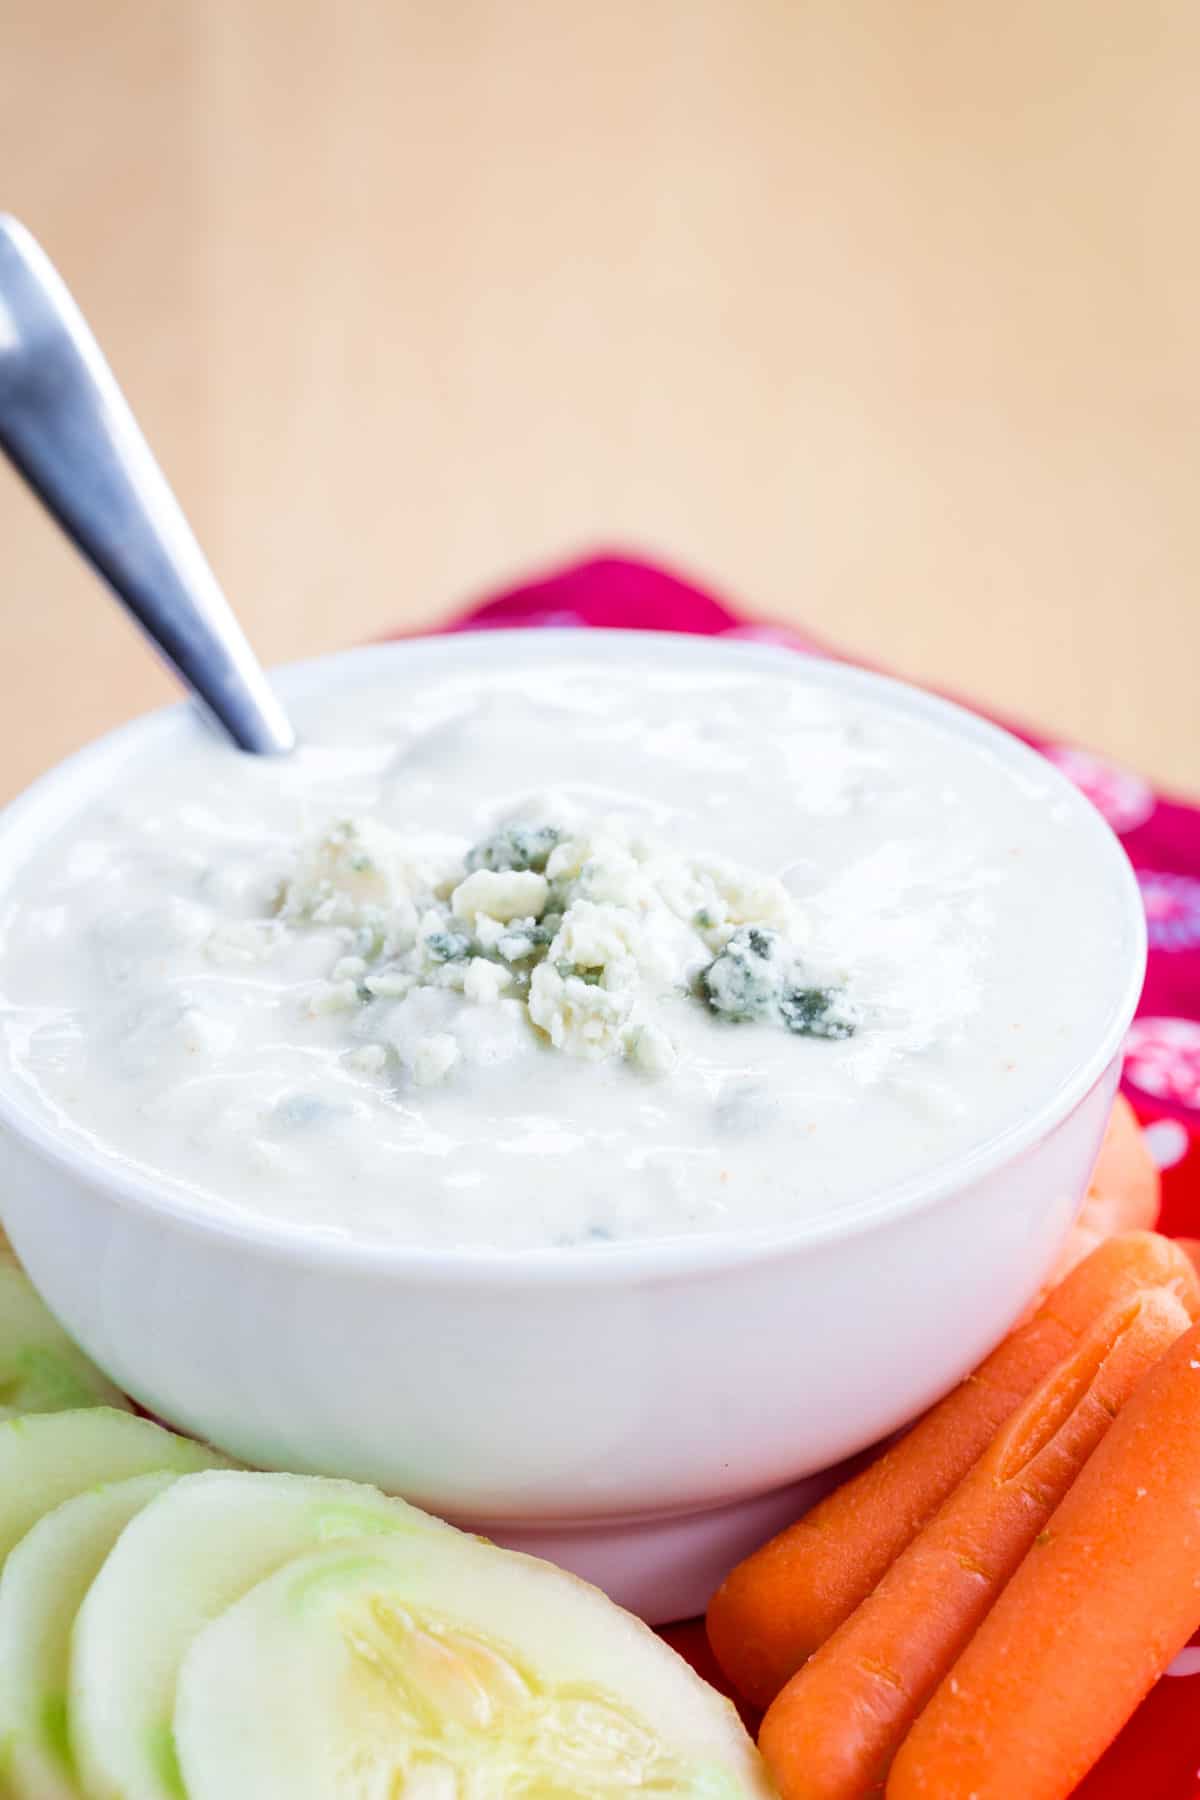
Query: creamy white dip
pixel 548 951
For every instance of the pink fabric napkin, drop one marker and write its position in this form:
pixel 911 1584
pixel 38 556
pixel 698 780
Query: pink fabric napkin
pixel 1158 1755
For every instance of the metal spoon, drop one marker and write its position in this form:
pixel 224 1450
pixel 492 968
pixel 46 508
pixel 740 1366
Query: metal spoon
pixel 67 428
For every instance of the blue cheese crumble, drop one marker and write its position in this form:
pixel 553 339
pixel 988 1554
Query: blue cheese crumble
pixel 758 976
pixel 585 935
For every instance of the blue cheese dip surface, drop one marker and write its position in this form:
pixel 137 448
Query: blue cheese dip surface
pixel 534 951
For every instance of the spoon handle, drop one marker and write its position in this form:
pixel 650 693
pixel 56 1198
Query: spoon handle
pixel 68 429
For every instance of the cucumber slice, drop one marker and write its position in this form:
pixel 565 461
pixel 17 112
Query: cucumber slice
pixel 188 1556
pixel 44 1581
pixel 442 1667
pixel 47 1458
pixel 41 1369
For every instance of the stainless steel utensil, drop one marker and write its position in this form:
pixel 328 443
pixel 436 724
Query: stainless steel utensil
pixel 66 426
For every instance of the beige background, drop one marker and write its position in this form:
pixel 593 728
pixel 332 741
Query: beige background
pixel 880 314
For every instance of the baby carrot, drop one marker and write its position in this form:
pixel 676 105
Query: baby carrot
pixel 1125 1191
pixel 775 1608
pixel 1191 1249
pixel 833 1731
pixel 1105 1600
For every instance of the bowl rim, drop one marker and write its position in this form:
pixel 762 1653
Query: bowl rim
pixel 65 788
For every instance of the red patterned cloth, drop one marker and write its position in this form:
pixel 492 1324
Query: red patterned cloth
pixel 1158 1755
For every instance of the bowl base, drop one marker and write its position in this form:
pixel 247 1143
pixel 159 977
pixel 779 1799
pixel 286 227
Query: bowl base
pixel 663 1568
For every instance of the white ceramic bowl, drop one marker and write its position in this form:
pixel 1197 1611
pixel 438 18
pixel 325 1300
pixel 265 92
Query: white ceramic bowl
pixel 642 1409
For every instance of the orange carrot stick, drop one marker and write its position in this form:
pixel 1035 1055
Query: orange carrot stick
pixel 781 1603
pixel 1125 1191
pixel 1191 1249
pixel 833 1731
pixel 1105 1600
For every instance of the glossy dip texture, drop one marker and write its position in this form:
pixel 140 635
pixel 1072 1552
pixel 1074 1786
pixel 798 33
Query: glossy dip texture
pixel 178 989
